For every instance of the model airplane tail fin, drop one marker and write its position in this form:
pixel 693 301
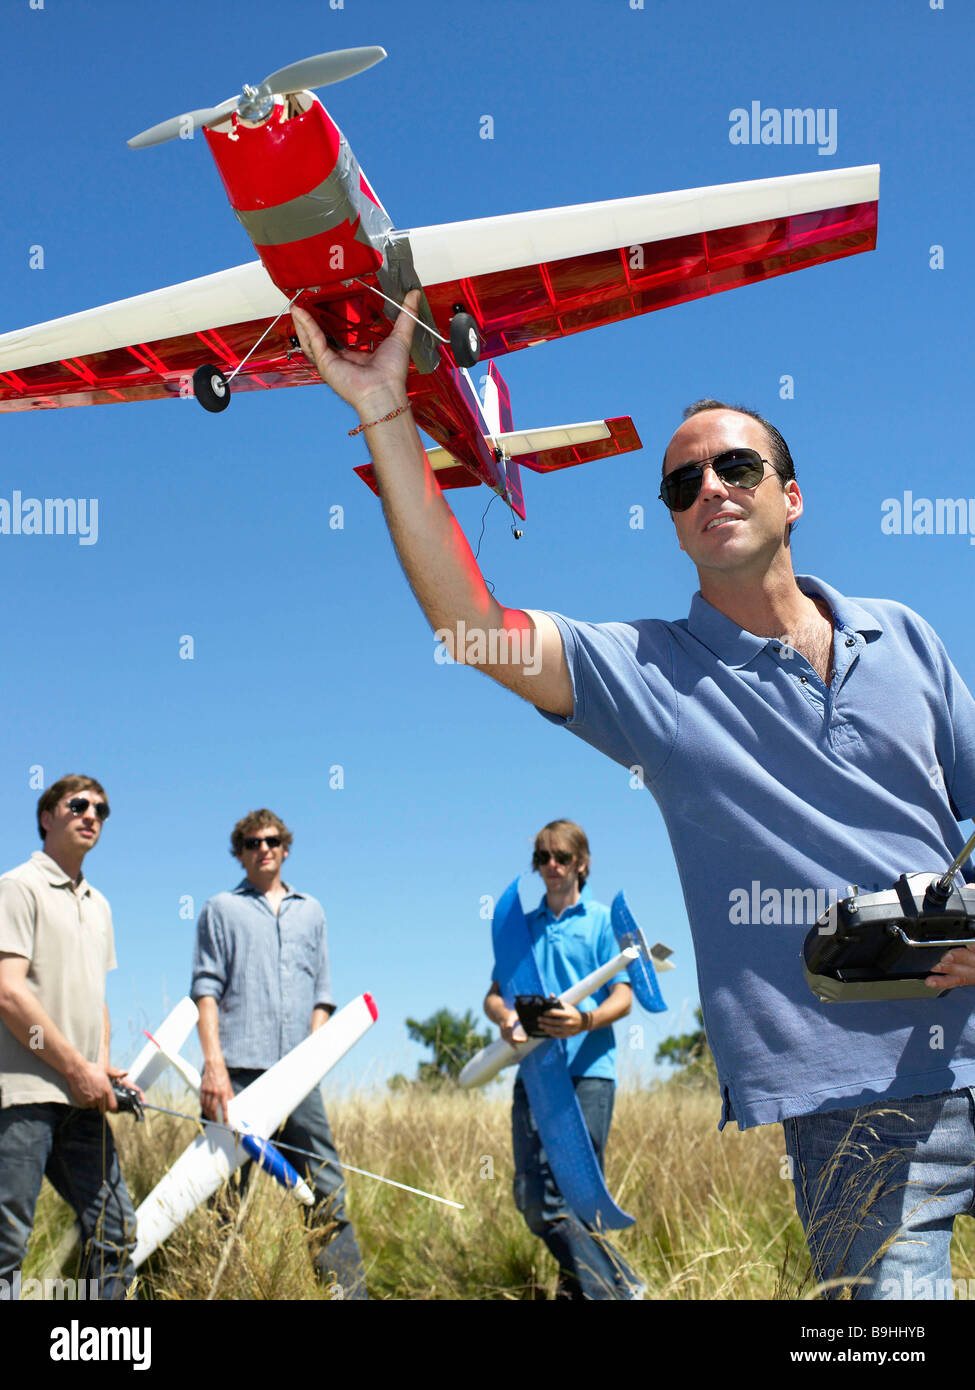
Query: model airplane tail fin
pixel 185 1069
pixel 650 959
pixel 170 1036
pixel 496 403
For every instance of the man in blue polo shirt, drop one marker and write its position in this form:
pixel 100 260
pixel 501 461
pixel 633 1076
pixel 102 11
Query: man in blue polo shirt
pixel 261 984
pixel 571 937
pixel 796 741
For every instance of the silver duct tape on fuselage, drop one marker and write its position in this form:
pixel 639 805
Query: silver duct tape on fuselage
pixel 339 199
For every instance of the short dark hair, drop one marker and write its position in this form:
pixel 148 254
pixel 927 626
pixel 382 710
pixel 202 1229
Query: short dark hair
pixel 781 458
pixel 74 782
pixel 257 820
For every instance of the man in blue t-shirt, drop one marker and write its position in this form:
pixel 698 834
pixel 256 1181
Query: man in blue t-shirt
pixel 571 937
pixel 796 741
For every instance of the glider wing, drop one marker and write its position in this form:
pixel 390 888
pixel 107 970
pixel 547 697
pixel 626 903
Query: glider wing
pixel 263 1106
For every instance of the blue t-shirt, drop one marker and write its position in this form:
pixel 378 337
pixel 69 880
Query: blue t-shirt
pixel 567 949
pixel 778 793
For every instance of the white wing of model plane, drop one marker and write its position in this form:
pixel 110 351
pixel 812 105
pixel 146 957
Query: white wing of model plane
pixel 533 277
pixel 262 1107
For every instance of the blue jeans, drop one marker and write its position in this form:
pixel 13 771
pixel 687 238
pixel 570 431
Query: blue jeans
pixel 307 1128
pixel 878 1190
pixel 74 1149
pixel 589 1268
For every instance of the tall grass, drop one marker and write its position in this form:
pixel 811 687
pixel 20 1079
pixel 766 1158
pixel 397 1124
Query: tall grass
pixel 715 1215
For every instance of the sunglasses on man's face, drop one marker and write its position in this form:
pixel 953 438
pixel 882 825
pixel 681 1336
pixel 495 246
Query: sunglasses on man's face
pixel 78 805
pixel 255 841
pixel 736 467
pixel 541 857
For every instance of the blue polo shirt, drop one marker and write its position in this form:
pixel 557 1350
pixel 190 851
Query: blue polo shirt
pixel 778 793
pixel 267 971
pixel 567 949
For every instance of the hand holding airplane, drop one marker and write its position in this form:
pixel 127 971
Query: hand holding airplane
pixel 364 382
pixel 215 1092
pixel 638 958
pixel 254 1113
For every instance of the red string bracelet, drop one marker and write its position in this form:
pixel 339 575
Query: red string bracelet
pixel 381 421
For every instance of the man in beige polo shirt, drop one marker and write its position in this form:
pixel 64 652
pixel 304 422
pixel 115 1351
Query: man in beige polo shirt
pixel 56 945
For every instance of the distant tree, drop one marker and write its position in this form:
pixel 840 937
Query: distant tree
pixel 689 1053
pixel 454 1040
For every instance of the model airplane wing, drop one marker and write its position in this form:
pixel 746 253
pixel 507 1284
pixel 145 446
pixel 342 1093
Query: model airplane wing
pixel 537 276
pixel 263 1105
pixel 529 278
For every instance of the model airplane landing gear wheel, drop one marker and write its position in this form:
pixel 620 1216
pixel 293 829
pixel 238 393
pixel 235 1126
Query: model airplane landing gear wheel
pixel 211 388
pixel 465 340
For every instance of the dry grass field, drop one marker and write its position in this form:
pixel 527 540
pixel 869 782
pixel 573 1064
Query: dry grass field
pixel 714 1212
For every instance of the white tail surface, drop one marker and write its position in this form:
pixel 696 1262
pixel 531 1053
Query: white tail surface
pixel 491 406
pixel 170 1035
pixel 517 442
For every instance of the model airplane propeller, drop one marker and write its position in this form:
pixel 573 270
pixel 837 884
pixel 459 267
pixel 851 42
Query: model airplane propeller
pixel 256 103
pixel 488 287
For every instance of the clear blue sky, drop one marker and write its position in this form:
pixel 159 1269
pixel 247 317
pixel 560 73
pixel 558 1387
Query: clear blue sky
pixel 310 651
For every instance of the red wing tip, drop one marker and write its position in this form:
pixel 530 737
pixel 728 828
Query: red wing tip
pixel 151 1038
pixel 371 1006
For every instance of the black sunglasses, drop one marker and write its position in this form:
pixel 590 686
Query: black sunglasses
pixel 255 841
pixel 542 856
pixel 737 467
pixel 78 805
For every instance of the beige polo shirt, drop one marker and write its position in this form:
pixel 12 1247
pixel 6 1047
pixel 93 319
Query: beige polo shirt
pixel 65 931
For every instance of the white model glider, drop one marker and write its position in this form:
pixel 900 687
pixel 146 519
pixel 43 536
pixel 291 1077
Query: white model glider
pixel 260 1109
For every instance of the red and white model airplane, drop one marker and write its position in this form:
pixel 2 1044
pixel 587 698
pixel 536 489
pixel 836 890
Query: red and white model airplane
pixel 490 286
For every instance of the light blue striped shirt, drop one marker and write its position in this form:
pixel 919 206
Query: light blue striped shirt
pixel 266 972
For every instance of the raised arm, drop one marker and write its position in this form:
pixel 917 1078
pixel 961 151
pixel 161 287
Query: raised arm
pixel 430 544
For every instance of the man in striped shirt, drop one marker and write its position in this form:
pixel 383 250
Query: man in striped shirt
pixel 261 984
